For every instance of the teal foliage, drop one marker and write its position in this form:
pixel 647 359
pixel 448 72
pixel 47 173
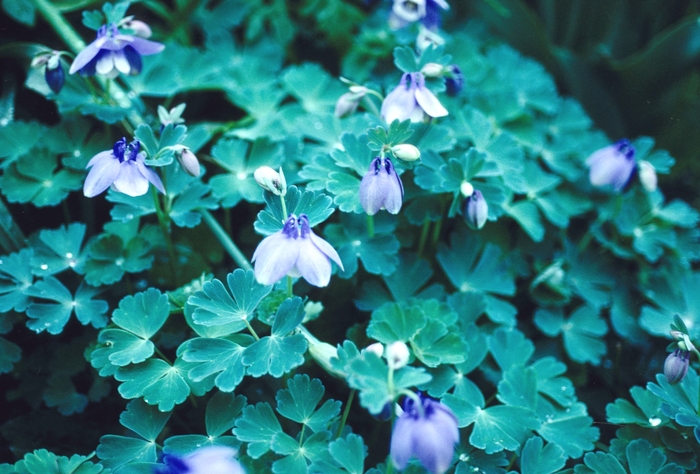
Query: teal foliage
pixel 558 309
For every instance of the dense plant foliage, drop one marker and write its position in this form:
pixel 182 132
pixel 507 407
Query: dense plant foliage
pixel 286 228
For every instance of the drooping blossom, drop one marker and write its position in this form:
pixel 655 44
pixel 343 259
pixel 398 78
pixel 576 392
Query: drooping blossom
pixel 208 460
pixel 676 366
pixel 428 432
pixel 123 168
pixel 113 52
pixel 411 100
pixel 613 165
pixel 476 210
pixel 405 12
pixel 53 69
pixel 295 251
pixel 381 187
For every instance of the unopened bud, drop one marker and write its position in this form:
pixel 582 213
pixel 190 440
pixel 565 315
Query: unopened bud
pixel 348 102
pixel 432 70
pixel 647 176
pixel 271 180
pixel 466 189
pixel 397 355
pixel 139 28
pixel 377 348
pixel 676 366
pixel 476 211
pixel 406 152
pixel 189 162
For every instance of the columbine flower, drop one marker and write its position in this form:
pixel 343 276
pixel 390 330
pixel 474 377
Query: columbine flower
pixel 209 460
pixel 613 165
pixel 411 100
pixel 381 187
pixel 295 251
pixel 114 52
pixel 427 432
pixel 676 366
pixel 121 167
pixel 427 12
pixel 476 210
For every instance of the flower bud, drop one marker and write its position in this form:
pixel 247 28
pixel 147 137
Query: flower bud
pixel 271 180
pixel 54 75
pixel 397 355
pixel 476 211
pixel 189 162
pixel 139 28
pixel 647 176
pixel 406 152
pixel 466 189
pixel 676 366
pixel 376 348
pixel 432 70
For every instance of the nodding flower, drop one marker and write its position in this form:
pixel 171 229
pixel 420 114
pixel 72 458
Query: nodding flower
pixel 381 187
pixel 208 460
pixel 113 52
pixel 405 12
pixel 427 430
pixel 411 100
pixel 613 165
pixel 123 168
pixel 295 251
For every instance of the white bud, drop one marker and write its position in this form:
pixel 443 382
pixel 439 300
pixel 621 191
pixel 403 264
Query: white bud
pixel 139 28
pixel 647 176
pixel 189 162
pixel 466 189
pixel 406 152
pixel 376 348
pixel 397 355
pixel 432 70
pixel 271 180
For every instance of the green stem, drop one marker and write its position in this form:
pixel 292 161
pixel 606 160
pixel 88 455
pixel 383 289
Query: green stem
pixel 346 412
pixel 584 242
pixel 164 221
pixel 60 25
pixel 301 435
pixel 423 237
pixel 284 209
pixel 252 331
pixel 226 241
pixel 436 233
pixel 370 226
pixel 290 284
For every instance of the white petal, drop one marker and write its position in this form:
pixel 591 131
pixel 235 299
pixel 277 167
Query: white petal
pixel 429 103
pixel 275 256
pixel 105 63
pixel 121 63
pixel 130 181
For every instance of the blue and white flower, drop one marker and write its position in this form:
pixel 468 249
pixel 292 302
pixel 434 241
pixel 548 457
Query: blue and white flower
pixel 411 100
pixel 209 460
pixel 613 165
pixel 114 52
pixel 295 251
pixel 426 430
pixel 476 210
pixel 381 187
pixel 123 168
